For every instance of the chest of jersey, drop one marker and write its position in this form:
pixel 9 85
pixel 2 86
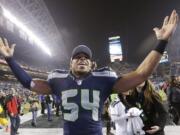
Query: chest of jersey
pixel 81 97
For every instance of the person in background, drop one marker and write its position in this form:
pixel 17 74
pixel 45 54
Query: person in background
pixel 106 117
pixel 12 109
pixel 49 107
pixel 43 103
pixel 2 102
pixel 53 101
pixel 3 116
pixel 154 114
pixel 34 104
pixel 57 104
pixel 127 119
pixel 174 99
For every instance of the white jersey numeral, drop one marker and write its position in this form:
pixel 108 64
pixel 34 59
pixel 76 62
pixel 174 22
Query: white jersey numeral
pixel 73 107
pixel 90 106
pixel 85 103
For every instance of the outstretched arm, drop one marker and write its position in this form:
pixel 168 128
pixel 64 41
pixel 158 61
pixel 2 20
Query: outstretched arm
pixel 131 80
pixel 21 75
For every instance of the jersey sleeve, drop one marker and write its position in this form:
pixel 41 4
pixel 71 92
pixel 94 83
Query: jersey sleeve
pixel 54 76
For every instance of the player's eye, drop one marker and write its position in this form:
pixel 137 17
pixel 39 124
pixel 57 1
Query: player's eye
pixel 79 57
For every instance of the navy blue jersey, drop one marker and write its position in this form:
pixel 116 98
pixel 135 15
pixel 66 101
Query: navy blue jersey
pixel 82 100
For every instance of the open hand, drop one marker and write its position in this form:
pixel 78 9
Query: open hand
pixel 169 26
pixel 5 49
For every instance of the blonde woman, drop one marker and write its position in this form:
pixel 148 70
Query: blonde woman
pixel 154 114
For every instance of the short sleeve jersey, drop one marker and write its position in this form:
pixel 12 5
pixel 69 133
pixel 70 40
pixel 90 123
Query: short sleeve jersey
pixel 82 99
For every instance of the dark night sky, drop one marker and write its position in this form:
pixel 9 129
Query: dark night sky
pixel 90 22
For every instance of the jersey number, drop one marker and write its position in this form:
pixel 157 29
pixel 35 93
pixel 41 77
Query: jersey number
pixel 85 103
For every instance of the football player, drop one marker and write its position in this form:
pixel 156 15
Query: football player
pixel 83 90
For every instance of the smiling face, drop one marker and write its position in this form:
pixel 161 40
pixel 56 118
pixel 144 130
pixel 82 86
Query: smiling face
pixel 80 65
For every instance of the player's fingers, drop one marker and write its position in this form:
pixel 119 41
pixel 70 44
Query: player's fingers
pixel 1 42
pixel 172 17
pixel 13 46
pixel 6 42
pixel 165 20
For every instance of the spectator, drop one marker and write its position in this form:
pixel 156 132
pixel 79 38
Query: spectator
pixel 12 108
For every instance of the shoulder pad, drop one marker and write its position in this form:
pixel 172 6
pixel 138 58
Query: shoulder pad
pixel 58 73
pixel 105 71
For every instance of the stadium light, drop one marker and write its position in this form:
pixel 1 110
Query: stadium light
pixel 19 24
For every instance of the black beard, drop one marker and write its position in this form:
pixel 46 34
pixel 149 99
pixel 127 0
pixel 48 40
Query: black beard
pixel 80 74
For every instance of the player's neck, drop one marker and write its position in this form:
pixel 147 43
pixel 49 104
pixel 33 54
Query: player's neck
pixel 80 75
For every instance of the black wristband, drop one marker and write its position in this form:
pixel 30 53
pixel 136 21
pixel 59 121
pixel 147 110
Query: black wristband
pixel 8 59
pixel 161 46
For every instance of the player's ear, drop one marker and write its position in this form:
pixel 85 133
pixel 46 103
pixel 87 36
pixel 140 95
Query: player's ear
pixel 93 65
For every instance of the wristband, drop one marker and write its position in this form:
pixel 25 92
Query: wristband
pixel 161 46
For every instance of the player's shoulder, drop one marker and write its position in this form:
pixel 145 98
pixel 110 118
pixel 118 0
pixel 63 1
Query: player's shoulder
pixel 104 72
pixel 58 73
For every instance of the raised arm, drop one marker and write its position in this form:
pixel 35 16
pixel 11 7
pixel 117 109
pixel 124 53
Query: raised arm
pixel 39 86
pixel 163 34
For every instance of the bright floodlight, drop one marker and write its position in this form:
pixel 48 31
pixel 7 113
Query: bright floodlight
pixel 19 24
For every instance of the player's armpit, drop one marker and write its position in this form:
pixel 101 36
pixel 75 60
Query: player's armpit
pixel 40 86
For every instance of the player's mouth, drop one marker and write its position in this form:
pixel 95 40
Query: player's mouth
pixel 82 64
